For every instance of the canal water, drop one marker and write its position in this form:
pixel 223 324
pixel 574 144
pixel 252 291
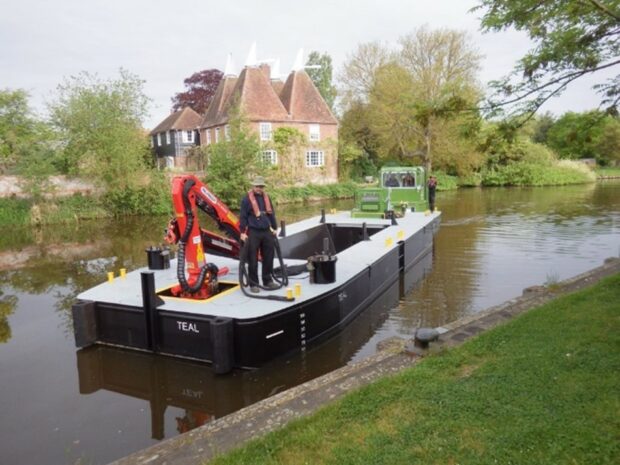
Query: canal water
pixel 63 406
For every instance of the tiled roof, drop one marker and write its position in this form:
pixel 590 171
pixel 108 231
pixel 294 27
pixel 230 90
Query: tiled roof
pixel 184 119
pixel 263 99
pixel 259 102
pixel 303 101
pixel 277 85
pixel 217 113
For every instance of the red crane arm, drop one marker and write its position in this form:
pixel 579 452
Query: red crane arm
pixel 189 194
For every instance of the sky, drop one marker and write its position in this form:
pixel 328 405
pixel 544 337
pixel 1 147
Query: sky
pixel 44 42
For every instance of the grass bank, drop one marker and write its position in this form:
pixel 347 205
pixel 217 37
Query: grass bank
pixel 540 389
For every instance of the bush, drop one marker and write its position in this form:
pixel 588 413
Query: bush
pixel 152 199
pixel 445 182
pixel 529 174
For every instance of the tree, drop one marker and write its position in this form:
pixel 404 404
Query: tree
pixel 541 126
pixel 432 80
pixel 571 39
pixel 608 144
pixel 358 73
pixel 232 162
pixel 583 135
pixel 322 76
pixel 200 89
pixel 100 123
pixel 22 136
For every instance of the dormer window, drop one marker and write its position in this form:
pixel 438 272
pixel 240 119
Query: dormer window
pixel 188 136
pixel 315 132
pixel 265 131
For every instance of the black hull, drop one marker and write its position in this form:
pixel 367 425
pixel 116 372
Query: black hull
pixel 250 343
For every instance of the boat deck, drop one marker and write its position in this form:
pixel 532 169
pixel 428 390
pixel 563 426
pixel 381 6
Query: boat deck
pixel 232 303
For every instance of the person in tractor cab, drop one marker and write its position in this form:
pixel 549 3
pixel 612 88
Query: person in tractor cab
pixel 258 226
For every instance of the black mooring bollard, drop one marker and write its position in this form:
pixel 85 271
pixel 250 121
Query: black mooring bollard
pixel 221 331
pixel 150 301
pixel 322 216
pixel 282 229
pixel 365 232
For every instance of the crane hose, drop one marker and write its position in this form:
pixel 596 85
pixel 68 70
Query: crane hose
pixel 244 278
pixel 207 268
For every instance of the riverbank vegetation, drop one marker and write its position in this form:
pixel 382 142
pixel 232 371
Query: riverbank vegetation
pixel 539 389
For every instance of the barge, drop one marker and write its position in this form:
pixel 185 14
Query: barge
pixel 347 263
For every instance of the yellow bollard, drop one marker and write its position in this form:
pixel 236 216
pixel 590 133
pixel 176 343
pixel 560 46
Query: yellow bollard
pixel 123 272
pixel 110 276
pixel 297 290
pixel 400 235
pixel 289 293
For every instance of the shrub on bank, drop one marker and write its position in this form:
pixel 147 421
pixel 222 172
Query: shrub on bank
pixel 291 194
pixel 529 174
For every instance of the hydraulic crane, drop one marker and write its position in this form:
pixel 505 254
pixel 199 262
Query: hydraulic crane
pixel 189 194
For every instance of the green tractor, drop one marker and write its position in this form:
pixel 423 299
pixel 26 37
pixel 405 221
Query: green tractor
pixel 400 189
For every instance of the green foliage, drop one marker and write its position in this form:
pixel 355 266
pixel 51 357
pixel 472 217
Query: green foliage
pixel 531 174
pixel 151 199
pixel 101 129
pixel 540 389
pixel 27 145
pixel 586 135
pixel 322 76
pixel 354 163
pixel 342 190
pixel 502 147
pixel 14 211
pixel 446 182
pixel 574 135
pixel 570 39
pixel 233 162
pixel 402 107
pixel 288 143
pixel 540 127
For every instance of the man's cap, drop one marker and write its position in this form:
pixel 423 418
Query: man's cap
pixel 258 181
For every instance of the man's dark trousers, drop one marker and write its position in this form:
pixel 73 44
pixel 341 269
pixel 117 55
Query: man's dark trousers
pixel 260 239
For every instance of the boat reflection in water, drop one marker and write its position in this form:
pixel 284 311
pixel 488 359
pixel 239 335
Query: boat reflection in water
pixel 203 395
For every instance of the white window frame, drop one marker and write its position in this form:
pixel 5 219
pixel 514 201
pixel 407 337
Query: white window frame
pixel 168 137
pixel 217 135
pixel 270 157
pixel 159 139
pixel 265 131
pixel 315 158
pixel 208 131
pixel 314 132
pixel 188 136
pixel 227 132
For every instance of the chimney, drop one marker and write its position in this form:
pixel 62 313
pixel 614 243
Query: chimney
pixel 266 70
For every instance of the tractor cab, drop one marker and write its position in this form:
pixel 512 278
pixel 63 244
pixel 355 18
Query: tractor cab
pixel 399 189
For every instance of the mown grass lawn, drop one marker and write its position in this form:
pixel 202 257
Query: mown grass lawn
pixel 542 389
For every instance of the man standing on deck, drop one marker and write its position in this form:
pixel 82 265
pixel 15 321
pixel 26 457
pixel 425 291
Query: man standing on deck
pixel 432 186
pixel 258 225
